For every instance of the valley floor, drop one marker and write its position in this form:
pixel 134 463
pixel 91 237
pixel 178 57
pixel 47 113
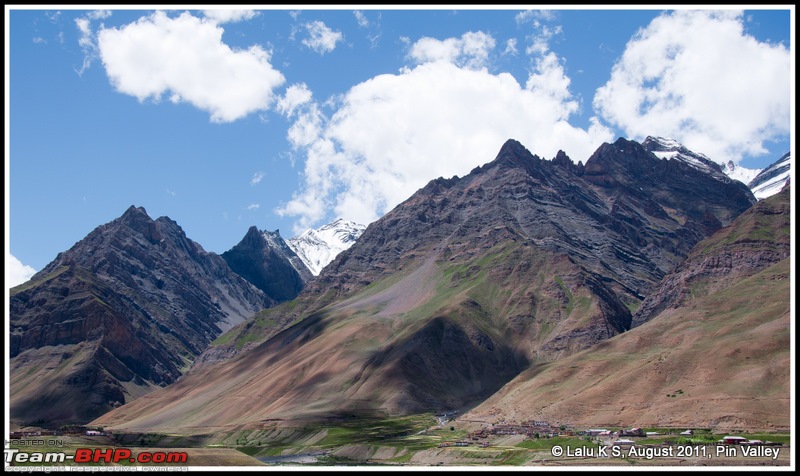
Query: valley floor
pixel 422 441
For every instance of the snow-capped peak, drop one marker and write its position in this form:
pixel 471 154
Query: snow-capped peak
pixel 737 172
pixel 670 149
pixel 318 247
pixel 772 179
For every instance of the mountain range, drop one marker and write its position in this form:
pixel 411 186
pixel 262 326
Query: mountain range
pixel 457 293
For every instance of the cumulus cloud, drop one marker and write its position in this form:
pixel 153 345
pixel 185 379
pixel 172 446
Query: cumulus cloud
pixel 254 206
pixel 185 58
pixel 257 178
pixel 393 133
pixel 471 50
pixel 697 77
pixel 16 272
pixel 229 16
pixel 549 80
pixel 321 38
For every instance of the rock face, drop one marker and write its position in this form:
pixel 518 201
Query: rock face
pixel 267 262
pixel 759 239
pixel 125 310
pixel 772 179
pixel 459 289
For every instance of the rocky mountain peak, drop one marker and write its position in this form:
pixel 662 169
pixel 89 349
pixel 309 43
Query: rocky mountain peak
pixel 265 260
pixel 253 238
pixel 137 219
pixel 514 154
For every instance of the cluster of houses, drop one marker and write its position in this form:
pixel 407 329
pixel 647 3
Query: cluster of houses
pixel 543 429
pixel 530 428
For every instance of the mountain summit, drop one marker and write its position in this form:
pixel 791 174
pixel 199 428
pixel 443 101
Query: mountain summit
pixel 265 260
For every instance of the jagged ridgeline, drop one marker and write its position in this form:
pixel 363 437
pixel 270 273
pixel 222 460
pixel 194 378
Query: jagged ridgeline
pixel 458 290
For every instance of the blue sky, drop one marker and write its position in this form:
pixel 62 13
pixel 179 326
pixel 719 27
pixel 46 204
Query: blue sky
pixel 289 119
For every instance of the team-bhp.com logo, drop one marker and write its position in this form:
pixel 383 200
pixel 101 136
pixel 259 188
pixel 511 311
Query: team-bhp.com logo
pixel 95 455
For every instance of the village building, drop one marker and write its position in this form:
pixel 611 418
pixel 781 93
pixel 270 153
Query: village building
pixel 733 440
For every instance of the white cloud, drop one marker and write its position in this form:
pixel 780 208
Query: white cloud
pixel 321 38
pixel 471 50
pixel 296 95
pixel 229 16
pixel 549 80
pixel 86 38
pixel 39 40
pixel 254 206
pixel 307 127
pixel 99 14
pixel 695 76
pixel 257 178
pixel 361 19
pixel 511 47
pixel 16 272
pixel 298 103
pixel 540 41
pixel 393 133
pixel 185 58
pixel 534 17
